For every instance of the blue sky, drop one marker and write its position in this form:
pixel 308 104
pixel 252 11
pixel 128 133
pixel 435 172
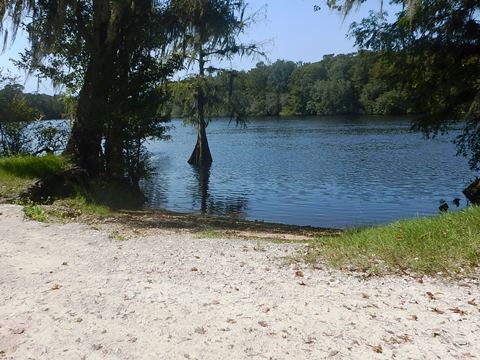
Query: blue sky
pixel 288 29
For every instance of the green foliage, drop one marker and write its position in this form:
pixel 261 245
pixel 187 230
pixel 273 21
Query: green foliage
pixel 35 212
pixel 447 244
pixel 17 172
pixel 81 203
pixel 114 57
pixel 336 85
pixel 332 97
pixel 431 51
pixel 15 116
pixel 49 107
pixel 31 167
pixel 210 233
pixel 49 138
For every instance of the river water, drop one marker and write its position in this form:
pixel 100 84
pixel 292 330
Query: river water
pixel 327 171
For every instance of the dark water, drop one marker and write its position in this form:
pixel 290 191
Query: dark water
pixel 331 172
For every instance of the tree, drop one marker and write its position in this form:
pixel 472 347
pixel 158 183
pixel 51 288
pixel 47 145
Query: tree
pixel 111 56
pixel 207 30
pixel 434 47
pixel 15 117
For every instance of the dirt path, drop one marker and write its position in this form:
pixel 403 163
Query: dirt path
pixel 73 292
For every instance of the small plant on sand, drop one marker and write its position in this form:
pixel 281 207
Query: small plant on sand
pixel 35 212
pixel 117 235
pixel 209 233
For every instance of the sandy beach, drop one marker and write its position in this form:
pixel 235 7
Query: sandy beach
pixel 74 291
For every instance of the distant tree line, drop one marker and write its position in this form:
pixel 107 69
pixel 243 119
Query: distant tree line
pixel 48 106
pixel 337 85
pixel 21 128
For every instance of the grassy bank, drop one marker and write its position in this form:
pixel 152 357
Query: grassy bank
pixel 448 244
pixel 18 172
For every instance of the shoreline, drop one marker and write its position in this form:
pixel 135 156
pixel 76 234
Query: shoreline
pixel 73 291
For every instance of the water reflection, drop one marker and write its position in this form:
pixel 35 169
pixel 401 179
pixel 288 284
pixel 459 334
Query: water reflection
pixel 234 205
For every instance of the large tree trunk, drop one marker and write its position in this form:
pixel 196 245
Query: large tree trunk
pixel 85 143
pixel 201 155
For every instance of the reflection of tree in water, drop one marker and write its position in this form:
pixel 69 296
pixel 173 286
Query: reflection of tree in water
pixel 230 206
pixel 155 187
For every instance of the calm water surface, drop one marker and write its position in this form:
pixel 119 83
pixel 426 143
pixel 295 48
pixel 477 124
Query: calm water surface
pixel 329 172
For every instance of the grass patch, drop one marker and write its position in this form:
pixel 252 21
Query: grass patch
pixel 31 167
pixel 84 205
pixel 448 244
pixel 18 172
pixel 35 212
pixel 116 235
pixel 210 233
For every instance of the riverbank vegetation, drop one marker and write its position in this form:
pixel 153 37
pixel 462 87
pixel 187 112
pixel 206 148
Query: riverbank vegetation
pixel 447 244
pixel 18 172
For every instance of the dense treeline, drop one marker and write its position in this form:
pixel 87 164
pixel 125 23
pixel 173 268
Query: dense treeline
pixel 336 85
pixel 48 106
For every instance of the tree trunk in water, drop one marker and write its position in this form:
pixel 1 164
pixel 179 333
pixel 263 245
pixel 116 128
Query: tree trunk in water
pixel 201 155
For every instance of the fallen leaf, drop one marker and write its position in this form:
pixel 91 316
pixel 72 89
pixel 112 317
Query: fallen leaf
pixel 200 330
pixel 299 273
pixel 405 337
pixel 413 317
pixel 456 310
pixel 132 339
pixel 377 348
pixel 17 331
pixel 193 269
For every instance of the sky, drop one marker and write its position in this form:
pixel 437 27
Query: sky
pixel 286 29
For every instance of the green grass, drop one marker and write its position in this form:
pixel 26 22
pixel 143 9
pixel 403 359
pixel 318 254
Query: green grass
pixel 210 233
pixel 31 167
pixel 448 244
pixel 17 172
pixel 81 203
pixel 35 212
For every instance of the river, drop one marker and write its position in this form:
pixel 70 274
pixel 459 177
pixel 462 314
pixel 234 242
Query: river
pixel 327 171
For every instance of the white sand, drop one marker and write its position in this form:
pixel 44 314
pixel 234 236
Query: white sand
pixel 71 292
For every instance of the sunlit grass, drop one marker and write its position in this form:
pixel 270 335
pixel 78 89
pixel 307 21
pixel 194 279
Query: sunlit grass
pixel 35 212
pixel 448 244
pixel 17 172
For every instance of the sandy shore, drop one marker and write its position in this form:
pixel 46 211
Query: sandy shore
pixel 75 292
